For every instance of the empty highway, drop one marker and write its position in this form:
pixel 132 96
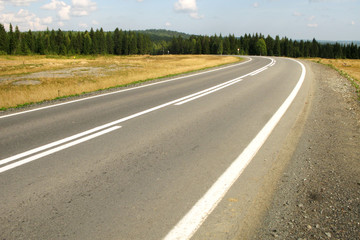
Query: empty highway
pixel 179 158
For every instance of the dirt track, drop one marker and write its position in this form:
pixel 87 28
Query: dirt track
pixel 318 196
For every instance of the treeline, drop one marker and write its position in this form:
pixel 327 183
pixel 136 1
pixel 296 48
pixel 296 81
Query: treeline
pixel 258 44
pixel 121 42
pixel 58 42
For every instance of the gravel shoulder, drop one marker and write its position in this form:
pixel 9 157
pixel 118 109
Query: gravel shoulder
pixel 318 195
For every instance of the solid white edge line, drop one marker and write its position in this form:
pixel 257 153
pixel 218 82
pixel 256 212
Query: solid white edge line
pixel 190 223
pixel 57 149
pixel 125 90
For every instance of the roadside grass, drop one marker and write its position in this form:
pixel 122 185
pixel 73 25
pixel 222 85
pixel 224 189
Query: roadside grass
pixel 349 68
pixel 25 80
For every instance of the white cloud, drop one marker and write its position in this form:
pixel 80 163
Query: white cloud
pixel 63 9
pixel 15 3
pixel 48 20
pixel 64 12
pixel 25 20
pixel 77 8
pixel 83 7
pixel 83 25
pixel 19 2
pixel 186 6
pixel 189 7
pixel 195 15
pixel 312 25
pixel 311 18
pixel 297 14
pixel 53 5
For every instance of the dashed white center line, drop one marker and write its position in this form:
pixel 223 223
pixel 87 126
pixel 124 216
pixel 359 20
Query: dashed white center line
pixel 109 127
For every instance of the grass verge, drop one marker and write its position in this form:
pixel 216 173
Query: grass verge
pixel 35 79
pixel 347 68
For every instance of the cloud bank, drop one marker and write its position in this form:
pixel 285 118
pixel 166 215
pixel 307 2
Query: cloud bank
pixel 188 7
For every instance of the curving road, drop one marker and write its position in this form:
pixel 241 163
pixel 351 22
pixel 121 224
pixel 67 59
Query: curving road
pixel 176 159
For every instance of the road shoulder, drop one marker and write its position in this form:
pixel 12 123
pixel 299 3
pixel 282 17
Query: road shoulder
pixel 317 196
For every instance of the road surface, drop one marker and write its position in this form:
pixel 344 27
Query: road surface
pixel 176 159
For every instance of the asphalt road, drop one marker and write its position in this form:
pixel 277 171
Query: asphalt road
pixel 137 163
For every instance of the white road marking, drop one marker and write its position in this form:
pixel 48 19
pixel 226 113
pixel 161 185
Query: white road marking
pixel 59 142
pixel 57 149
pixel 208 92
pixel 124 90
pixel 259 71
pixel 226 84
pixel 116 122
pixel 191 222
pixel 50 145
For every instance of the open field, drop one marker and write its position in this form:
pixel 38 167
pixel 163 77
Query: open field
pixel 26 79
pixel 349 68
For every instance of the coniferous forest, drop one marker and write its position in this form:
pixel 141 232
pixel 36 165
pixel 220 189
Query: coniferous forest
pixel 119 42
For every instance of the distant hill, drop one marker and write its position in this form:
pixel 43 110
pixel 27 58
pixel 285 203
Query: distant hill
pixel 341 42
pixel 158 35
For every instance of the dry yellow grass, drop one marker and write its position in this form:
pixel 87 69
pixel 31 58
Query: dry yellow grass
pixel 350 66
pixel 38 78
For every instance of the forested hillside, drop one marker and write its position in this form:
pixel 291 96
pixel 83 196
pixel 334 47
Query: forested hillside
pixel 121 42
pixel 158 35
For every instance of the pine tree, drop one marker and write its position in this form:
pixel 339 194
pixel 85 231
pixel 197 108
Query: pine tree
pixel 220 49
pixel 117 38
pixel 53 46
pixel 47 42
pixel 140 43
pixel 233 44
pixel 314 51
pixel 87 44
pixel 206 45
pixel 301 48
pixel 40 43
pixel 354 52
pixel 226 43
pixel 24 47
pixel 270 45
pixel 3 40
pixel 277 49
pixel 60 43
pixel 109 43
pixel 93 48
pixel 198 48
pixel 175 46
pixel 337 51
pixel 11 37
pixel 125 43
pixel 133 44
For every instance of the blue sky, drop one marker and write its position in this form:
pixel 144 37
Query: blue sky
pixel 296 19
